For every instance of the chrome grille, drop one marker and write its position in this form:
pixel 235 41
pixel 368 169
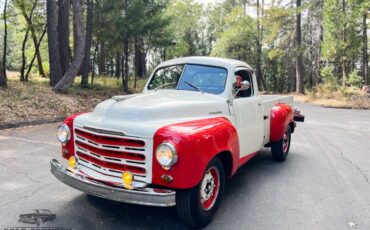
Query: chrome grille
pixel 110 153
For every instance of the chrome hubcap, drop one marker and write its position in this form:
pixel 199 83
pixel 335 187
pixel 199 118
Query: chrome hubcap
pixel 209 188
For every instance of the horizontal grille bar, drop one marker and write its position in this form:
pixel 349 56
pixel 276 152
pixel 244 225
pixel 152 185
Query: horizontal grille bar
pixel 111 165
pixel 111 153
pixel 109 141
pixel 109 132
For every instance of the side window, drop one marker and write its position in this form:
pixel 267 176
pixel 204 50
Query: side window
pixel 240 76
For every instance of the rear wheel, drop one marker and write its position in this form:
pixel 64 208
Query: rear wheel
pixel 197 205
pixel 280 149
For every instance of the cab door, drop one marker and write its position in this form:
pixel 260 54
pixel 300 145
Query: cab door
pixel 248 110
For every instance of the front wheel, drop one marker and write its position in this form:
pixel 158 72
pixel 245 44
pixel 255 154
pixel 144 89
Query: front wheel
pixel 280 149
pixel 38 222
pixel 197 205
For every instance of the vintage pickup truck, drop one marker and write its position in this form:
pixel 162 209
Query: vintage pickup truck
pixel 196 122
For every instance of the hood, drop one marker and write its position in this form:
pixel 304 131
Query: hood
pixel 142 114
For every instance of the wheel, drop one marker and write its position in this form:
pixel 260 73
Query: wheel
pixel 196 206
pixel 280 149
pixel 38 222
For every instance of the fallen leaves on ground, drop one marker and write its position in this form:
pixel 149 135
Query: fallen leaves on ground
pixel 25 101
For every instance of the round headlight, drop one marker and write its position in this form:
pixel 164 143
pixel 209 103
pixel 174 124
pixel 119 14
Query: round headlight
pixel 166 155
pixel 63 133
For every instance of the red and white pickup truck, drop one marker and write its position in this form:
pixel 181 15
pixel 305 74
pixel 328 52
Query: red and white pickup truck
pixel 196 122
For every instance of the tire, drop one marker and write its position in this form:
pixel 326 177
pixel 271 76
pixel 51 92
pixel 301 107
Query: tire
pixel 280 149
pixel 192 208
pixel 38 222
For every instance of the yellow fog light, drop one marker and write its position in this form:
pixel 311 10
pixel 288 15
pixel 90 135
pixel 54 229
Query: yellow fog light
pixel 72 162
pixel 127 179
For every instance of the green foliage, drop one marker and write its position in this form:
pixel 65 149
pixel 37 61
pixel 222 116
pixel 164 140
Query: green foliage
pixel 354 79
pixel 238 40
pixel 187 27
pixel 17 26
pixel 342 43
pixel 165 29
pixel 145 21
pixel 329 81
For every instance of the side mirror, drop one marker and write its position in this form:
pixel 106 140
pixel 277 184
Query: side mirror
pixel 244 85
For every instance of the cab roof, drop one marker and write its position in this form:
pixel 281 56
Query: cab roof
pixel 212 61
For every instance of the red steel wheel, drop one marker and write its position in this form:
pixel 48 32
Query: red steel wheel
pixel 196 206
pixel 286 141
pixel 280 149
pixel 209 188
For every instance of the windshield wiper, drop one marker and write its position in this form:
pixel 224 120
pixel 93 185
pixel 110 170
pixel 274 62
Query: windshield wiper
pixel 165 84
pixel 194 86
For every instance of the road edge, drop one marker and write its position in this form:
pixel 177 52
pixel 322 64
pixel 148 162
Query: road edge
pixel 19 124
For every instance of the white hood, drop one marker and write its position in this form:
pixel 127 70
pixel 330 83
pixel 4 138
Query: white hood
pixel 142 114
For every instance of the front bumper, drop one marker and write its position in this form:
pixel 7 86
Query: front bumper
pixel 145 197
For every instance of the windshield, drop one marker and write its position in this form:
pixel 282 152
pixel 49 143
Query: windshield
pixel 191 77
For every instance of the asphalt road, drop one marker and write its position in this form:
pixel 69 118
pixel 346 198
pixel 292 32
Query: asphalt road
pixel 324 184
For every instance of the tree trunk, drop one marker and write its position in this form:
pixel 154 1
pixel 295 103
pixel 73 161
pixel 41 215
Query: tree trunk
pixel 3 83
pixel 29 20
pixel 36 48
pixel 344 62
pixel 38 54
pixel 140 56
pixel 123 69
pixel 5 46
pixel 93 63
pixel 89 30
pixel 111 67
pixel 63 34
pixel 137 61
pixel 126 53
pixel 118 65
pixel 34 39
pixel 102 59
pixel 311 50
pixel 72 71
pixel 259 73
pixel 23 67
pixel 143 64
pixel 318 49
pixel 53 47
pixel 299 63
pixel 365 56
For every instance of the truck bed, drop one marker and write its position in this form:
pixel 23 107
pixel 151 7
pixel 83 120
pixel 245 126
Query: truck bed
pixel 268 102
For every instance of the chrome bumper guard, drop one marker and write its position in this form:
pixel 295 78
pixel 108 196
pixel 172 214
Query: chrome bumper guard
pixel 147 197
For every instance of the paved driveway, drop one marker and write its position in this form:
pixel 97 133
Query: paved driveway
pixel 324 184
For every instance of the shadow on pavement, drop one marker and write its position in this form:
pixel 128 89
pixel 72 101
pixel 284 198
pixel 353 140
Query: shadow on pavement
pixel 89 212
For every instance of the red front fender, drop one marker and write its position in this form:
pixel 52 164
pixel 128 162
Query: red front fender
pixel 68 149
pixel 197 142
